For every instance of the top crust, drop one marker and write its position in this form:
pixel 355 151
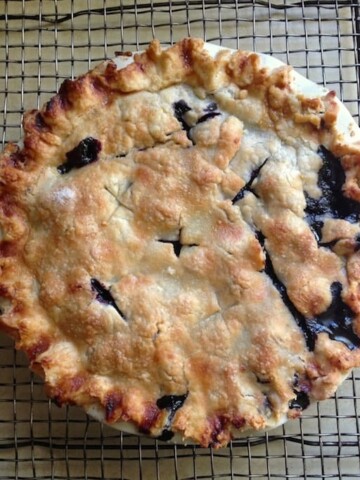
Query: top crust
pixel 158 254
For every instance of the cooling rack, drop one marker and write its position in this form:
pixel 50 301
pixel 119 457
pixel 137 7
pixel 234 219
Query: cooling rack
pixel 41 44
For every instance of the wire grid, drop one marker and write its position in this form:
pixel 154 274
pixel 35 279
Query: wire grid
pixel 44 42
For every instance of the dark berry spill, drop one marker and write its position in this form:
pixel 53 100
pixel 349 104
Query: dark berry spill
pixel 315 225
pixel 261 379
pixel 180 108
pixel 255 173
pixel 328 244
pixel 166 435
pixel 280 287
pixel 171 403
pixel 207 116
pixel 211 107
pixel 113 401
pixel 301 402
pixel 357 243
pixel 84 153
pixel 177 246
pixel 267 404
pixel 332 203
pixel 336 320
pixel 103 295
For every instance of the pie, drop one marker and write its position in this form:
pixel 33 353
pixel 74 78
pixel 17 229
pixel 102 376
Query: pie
pixel 180 243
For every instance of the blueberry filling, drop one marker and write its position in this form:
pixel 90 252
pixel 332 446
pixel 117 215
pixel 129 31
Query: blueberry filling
pixel 299 318
pixel 165 435
pixel 255 173
pixel 301 402
pixel 301 389
pixel 171 403
pixel 177 246
pixel 262 380
pixel 332 243
pixel 332 203
pixel 328 244
pixel 267 404
pixel 315 225
pixel 207 116
pixel 357 242
pixel 84 153
pixel 113 401
pixel 103 295
pixel 211 107
pixel 180 108
pixel 336 321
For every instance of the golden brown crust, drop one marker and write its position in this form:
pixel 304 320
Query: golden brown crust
pixel 139 284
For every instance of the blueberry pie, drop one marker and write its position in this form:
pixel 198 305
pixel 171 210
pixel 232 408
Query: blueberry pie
pixel 180 243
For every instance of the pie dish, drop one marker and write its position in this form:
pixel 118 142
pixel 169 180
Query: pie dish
pixel 180 243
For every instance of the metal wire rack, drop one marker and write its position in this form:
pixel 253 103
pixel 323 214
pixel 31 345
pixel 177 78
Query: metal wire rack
pixel 44 42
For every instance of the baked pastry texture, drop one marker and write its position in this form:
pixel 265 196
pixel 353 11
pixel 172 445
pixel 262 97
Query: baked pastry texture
pixel 180 244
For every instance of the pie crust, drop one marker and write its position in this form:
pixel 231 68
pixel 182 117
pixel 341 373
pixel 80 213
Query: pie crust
pixel 180 243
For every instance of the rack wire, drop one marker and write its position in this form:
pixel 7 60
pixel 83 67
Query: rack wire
pixel 45 42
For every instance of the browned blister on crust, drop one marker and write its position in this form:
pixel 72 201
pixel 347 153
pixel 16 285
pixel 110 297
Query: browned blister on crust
pixel 170 254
